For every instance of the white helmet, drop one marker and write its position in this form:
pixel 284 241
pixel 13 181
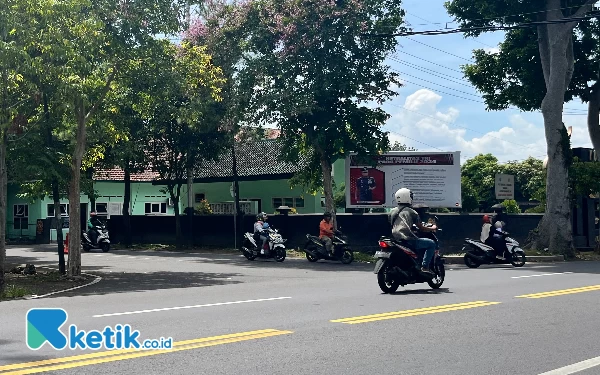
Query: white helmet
pixel 404 196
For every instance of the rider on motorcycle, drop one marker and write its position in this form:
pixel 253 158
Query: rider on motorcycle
pixel 402 219
pixel 93 221
pixel 259 230
pixel 326 232
pixel 491 235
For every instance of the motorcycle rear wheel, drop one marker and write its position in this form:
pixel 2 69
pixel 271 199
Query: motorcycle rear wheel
pixel 248 254
pixel 518 259
pixel 311 258
pixel 386 287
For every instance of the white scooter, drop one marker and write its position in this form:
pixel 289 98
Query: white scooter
pixel 478 253
pixel 274 248
pixel 102 242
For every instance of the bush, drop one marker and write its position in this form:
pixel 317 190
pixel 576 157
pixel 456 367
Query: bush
pixel 511 207
pixel 203 208
pixel 536 210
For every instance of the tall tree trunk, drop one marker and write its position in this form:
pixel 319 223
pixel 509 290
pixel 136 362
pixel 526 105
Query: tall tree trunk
pixel 593 118
pixel 556 53
pixel 3 203
pixel 55 193
pixel 175 197
pixel 190 205
pixel 126 204
pixel 328 188
pixel 236 197
pixel 59 231
pixel 74 192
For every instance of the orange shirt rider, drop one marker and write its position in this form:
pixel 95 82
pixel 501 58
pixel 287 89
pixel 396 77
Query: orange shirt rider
pixel 326 232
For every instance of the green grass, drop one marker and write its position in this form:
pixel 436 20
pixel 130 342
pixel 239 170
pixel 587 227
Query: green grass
pixel 13 291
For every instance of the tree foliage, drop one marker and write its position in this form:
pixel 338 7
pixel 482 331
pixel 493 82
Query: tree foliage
pixel 311 71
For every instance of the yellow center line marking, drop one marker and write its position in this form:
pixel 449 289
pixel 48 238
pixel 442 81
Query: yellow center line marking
pixel 415 312
pixel 117 355
pixel 561 292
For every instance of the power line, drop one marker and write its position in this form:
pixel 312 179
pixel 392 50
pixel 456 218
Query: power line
pixel 437 49
pixel 489 28
pixel 431 62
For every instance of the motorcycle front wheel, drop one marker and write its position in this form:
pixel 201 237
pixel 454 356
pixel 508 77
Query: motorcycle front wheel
pixel 438 279
pixel 280 254
pixel 347 256
pixel 385 285
pixel 105 247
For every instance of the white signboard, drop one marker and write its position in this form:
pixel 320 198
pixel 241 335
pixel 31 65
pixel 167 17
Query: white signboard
pixel 505 186
pixel 433 177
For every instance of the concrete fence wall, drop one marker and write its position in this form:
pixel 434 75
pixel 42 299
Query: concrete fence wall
pixel 363 231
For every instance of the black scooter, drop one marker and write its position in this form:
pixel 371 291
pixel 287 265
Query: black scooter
pixel 398 265
pixel 315 249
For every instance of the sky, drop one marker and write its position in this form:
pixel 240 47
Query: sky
pixel 437 109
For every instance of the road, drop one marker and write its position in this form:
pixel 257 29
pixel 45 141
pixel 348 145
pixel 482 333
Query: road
pixel 228 315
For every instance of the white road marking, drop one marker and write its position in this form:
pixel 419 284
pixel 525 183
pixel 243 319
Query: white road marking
pixel 98 255
pixel 576 367
pixel 146 258
pixel 542 274
pixel 132 257
pixel 192 307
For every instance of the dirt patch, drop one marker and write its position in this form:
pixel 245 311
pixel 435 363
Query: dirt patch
pixel 22 281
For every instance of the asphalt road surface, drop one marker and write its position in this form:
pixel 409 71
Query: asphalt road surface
pixel 228 315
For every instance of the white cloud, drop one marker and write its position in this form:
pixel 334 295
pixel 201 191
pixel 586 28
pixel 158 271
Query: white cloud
pixel 432 129
pixel 492 49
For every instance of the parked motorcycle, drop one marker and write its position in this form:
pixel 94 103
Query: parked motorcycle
pixel 398 265
pixel 478 253
pixel 274 248
pixel 315 249
pixel 102 242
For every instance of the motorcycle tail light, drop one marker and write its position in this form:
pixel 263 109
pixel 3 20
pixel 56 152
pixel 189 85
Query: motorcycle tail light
pixel 383 244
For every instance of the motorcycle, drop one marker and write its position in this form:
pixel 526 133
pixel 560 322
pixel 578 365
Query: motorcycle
pixel 478 253
pixel 102 242
pixel 315 249
pixel 398 265
pixel 274 248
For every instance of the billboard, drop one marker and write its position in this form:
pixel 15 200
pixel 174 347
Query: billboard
pixel 433 177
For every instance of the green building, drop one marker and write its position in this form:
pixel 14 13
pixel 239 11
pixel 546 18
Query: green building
pixel 263 181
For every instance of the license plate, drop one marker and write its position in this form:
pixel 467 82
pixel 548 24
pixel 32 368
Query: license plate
pixel 382 254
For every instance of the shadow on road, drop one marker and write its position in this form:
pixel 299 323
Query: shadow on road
pixel 125 282
pixel 421 291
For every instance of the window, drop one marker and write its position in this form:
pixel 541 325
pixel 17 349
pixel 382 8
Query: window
pixel 277 202
pixel 102 209
pixel 288 202
pixel 64 210
pixel 199 197
pixel 299 202
pixel 156 208
pixel 259 203
pixel 20 216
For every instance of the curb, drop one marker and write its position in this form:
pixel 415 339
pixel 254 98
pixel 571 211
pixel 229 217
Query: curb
pixel 457 259
pixel 96 280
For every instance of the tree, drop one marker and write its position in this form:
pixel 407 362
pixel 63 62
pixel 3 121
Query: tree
pixel 478 180
pixel 90 45
pixel 397 146
pixel 17 95
pixel 312 70
pixel 555 43
pixel 514 74
pixel 180 138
